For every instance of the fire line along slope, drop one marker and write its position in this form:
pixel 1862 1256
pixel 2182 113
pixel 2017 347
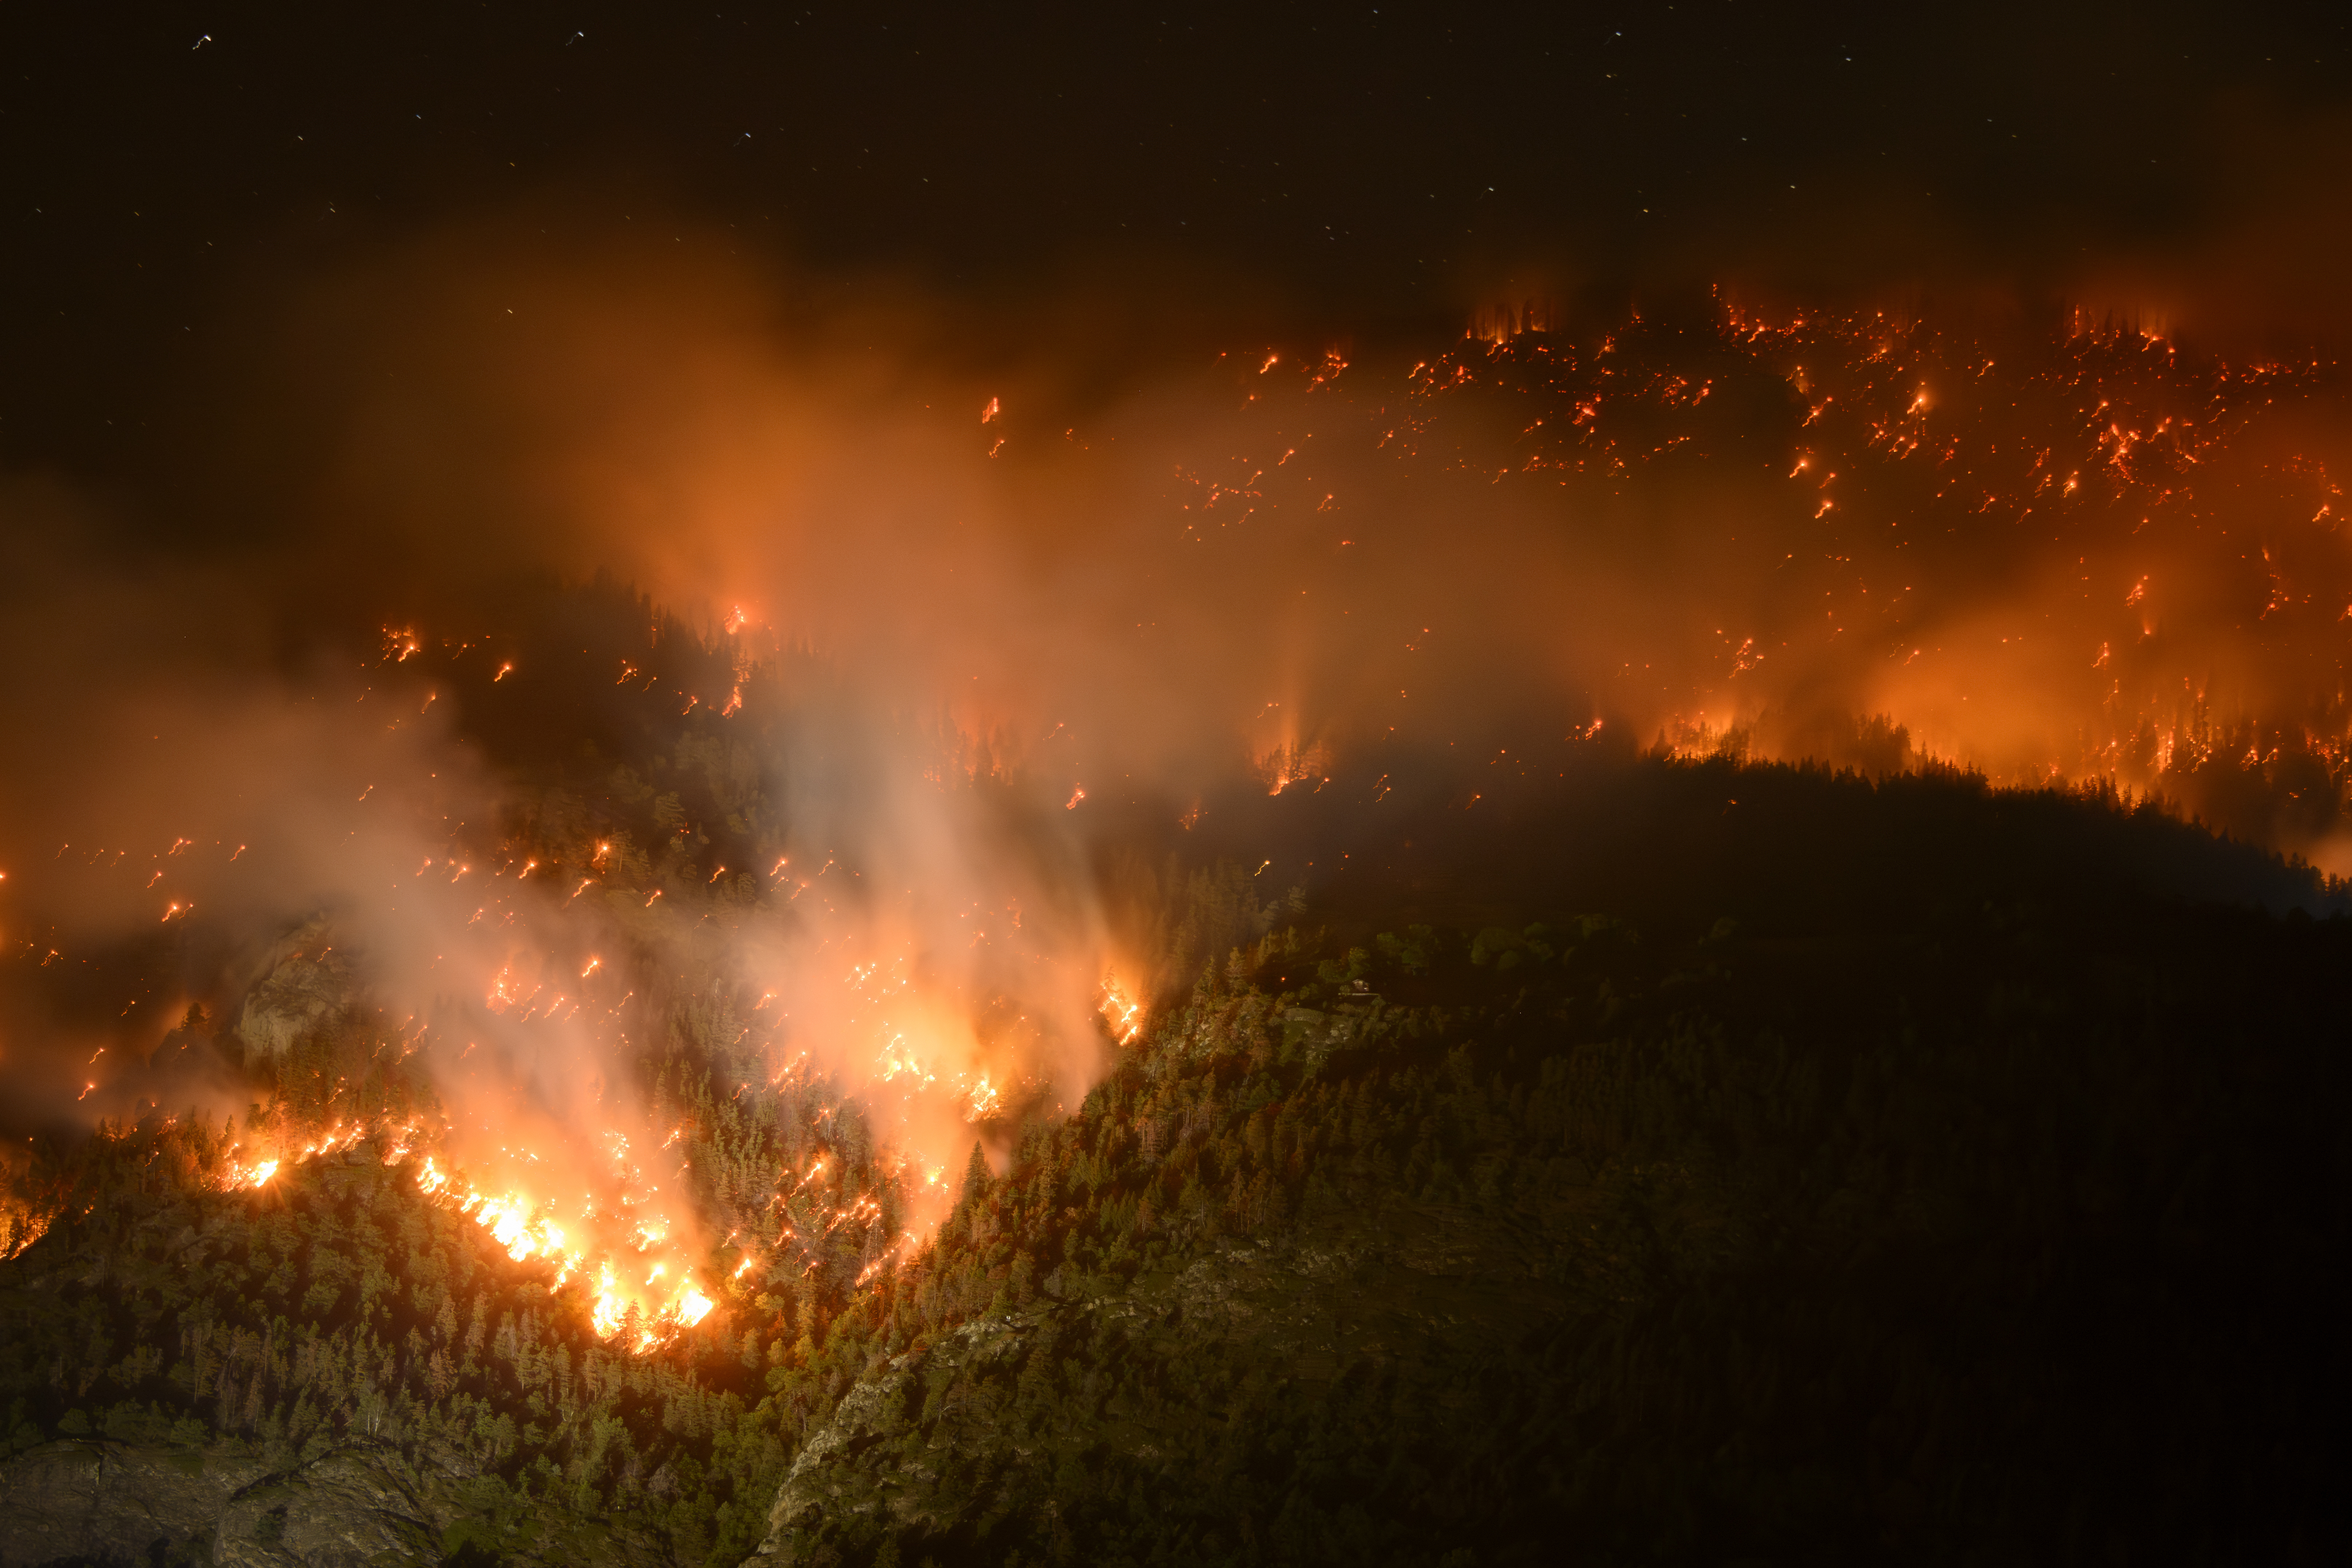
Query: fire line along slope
pixel 1695 1157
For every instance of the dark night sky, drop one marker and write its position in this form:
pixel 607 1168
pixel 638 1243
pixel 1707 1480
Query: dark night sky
pixel 1370 166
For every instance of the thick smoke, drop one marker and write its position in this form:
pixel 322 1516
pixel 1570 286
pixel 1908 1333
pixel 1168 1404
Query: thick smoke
pixel 982 605
pixel 2038 546
pixel 208 857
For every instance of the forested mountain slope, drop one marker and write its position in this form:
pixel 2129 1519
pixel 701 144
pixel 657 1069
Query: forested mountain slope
pixel 1967 1242
pixel 1616 1196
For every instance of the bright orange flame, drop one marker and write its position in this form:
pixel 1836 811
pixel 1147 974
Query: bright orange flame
pixel 526 1229
pixel 1121 1013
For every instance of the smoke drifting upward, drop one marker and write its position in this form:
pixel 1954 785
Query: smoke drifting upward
pixel 929 628
pixel 2064 549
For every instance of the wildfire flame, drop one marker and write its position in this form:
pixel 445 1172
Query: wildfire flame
pixel 1121 1013
pixel 663 1299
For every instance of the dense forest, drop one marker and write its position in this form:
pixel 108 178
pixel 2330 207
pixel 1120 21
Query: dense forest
pixel 1665 1160
pixel 1566 1236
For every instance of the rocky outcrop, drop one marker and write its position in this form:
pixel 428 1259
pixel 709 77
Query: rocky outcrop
pixel 304 983
pixel 115 1503
pixel 347 1510
pixel 353 1507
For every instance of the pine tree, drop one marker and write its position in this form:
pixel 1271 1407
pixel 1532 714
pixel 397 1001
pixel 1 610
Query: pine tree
pixel 976 1177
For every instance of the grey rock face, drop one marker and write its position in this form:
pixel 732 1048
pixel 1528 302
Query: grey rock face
pixel 345 1510
pixel 353 1507
pixel 111 1501
pixel 306 984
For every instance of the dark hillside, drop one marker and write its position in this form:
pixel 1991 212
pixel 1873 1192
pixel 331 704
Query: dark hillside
pixel 2010 1242
pixel 1781 1167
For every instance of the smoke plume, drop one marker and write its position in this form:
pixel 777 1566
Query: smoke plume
pixel 932 620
